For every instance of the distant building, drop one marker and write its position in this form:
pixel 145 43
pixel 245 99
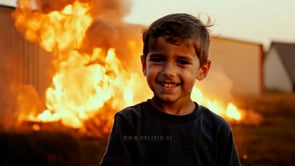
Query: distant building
pixel 279 67
pixel 241 61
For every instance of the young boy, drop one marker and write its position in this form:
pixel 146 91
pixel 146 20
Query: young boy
pixel 170 128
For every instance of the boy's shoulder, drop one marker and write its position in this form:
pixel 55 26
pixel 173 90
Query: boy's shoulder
pixel 130 115
pixel 211 117
pixel 131 111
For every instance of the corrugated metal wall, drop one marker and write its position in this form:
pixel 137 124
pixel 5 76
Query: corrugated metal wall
pixel 21 62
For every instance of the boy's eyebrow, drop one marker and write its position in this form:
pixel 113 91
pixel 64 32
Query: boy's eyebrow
pixel 184 57
pixel 156 54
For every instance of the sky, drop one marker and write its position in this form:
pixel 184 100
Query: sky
pixel 258 21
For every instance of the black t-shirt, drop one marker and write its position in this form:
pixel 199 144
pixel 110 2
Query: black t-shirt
pixel 145 136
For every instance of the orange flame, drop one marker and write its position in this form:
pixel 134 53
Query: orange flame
pixel 230 112
pixel 88 85
pixel 61 30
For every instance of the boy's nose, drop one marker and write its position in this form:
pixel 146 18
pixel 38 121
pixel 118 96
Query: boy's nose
pixel 169 69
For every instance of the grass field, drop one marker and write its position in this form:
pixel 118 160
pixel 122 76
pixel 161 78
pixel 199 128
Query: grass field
pixel 270 143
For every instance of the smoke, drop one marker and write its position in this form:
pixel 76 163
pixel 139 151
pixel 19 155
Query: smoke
pixel 113 9
pixel 217 85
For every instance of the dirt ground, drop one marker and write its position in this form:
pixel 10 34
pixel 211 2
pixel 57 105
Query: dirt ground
pixel 270 143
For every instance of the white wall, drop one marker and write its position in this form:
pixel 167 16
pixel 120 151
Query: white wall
pixel 275 75
pixel 11 3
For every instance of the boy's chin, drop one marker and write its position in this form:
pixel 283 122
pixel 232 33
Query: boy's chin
pixel 165 99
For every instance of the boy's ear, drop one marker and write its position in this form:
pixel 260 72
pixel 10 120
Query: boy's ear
pixel 203 71
pixel 143 64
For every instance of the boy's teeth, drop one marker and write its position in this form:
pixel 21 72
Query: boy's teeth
pixel 169 85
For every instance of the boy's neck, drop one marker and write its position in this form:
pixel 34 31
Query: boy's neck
pixel 176 108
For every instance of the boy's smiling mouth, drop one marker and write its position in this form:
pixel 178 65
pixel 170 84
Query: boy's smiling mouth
pixel 168 84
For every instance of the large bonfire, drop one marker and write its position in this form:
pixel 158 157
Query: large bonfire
pixel 96 63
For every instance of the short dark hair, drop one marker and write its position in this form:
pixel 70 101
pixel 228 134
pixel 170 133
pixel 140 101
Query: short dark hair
pixel 178 28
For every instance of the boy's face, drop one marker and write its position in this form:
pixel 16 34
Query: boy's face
pixel 171 70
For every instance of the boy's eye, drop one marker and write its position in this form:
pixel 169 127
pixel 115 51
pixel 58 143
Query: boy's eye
pixel 157 59
pixel 183 62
